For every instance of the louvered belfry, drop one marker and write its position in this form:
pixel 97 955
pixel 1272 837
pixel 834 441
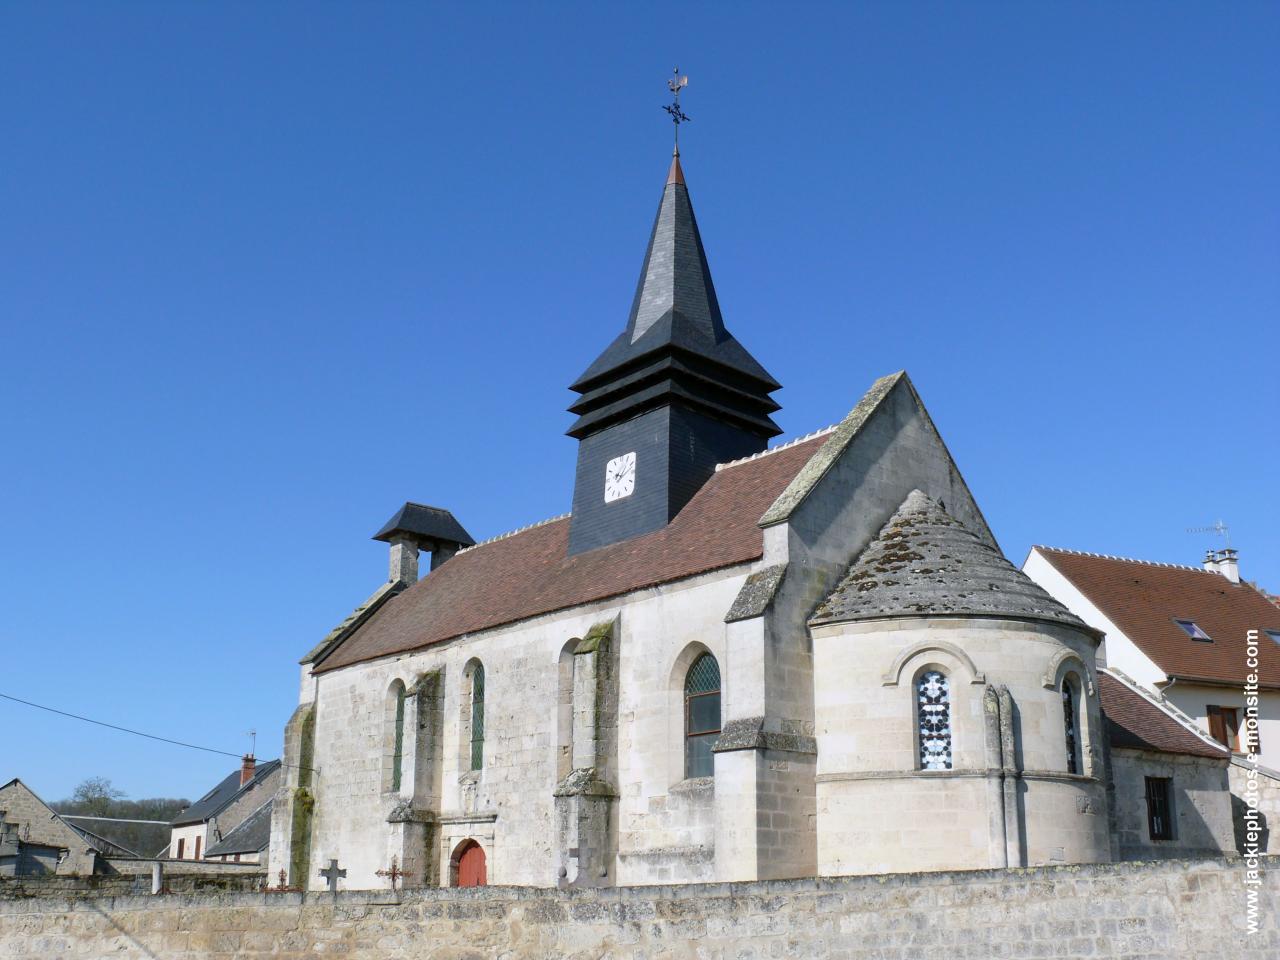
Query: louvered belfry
pixel 675 388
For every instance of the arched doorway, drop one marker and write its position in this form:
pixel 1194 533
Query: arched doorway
pixel 469 865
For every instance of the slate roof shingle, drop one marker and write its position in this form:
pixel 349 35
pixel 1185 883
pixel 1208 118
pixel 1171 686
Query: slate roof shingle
pixel 924 562
pixel 1134 722
pixel 530 573
pixel 251 835
pixel 675 345
pixel 423 521
pixel 221 795
pixel 1142 599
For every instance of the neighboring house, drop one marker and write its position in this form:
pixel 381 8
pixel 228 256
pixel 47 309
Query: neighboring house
pixel 246 843
pixel 1170 783
pixel 34 840
pixel 1187 634
pixel 212 819
pixel 1181 631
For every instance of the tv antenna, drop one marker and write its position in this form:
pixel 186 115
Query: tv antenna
pixel 253 742
pixel 1219 528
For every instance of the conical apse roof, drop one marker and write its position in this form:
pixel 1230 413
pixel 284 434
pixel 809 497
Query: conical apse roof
pixel 924 562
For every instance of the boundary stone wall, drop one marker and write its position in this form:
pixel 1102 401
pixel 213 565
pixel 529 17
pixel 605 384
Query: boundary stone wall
pixel 1167 909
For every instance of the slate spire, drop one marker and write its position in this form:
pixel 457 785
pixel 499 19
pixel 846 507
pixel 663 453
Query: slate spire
pixel 675 348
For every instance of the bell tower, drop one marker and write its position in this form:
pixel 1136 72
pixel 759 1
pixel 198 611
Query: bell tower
pixel 671 397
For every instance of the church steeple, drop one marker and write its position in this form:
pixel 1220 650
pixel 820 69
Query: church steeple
pixel 675 345
pixel 675 392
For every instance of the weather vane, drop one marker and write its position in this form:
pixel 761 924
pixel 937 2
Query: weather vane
pixel 675 85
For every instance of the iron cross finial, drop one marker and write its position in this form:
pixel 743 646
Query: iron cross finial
pixel 678 116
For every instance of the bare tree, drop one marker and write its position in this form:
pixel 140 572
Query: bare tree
pixel 95 796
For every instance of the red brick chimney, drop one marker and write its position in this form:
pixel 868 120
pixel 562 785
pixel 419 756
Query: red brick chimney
pixel 246 768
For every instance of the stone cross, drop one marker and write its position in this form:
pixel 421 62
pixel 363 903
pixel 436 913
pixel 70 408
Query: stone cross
pixel 332 874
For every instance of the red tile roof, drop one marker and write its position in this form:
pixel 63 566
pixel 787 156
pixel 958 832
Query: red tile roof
pixel 530 572
pixel 1143 599
pixel 1135 722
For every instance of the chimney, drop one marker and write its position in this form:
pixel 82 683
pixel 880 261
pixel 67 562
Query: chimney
pixel 404 559
pixel 1223 562
pixel 416 527
pixel 246 768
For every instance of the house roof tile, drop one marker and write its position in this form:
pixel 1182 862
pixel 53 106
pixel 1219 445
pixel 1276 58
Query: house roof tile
pixel 1137 723
pixel 531 572
pixel 1144 599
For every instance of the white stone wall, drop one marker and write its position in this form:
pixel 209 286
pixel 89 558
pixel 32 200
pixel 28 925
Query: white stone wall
pixel 877 812
pixel 188 835
pixel 664 834
pixel 1194 701
pixel 1201 805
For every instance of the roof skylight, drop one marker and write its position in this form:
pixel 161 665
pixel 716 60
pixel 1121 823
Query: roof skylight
pixel 1192 629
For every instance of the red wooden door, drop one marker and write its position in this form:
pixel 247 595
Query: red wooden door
pixel 471 871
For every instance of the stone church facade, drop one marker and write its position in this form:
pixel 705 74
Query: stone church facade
pixel 729 662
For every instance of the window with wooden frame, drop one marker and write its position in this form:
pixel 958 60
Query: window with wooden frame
pixel 1159 808
pixel 182 848
pixel 1224 726
pixel 701 716
pixel 198 848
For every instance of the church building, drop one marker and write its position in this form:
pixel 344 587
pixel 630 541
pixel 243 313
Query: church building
pixel 735 659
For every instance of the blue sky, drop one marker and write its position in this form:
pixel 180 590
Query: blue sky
pixel 269 270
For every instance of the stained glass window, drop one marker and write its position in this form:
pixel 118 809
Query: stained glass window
pixel 933 716
pixel 477 717
pixel 397 756
pixel 1069 720
pixel 701 715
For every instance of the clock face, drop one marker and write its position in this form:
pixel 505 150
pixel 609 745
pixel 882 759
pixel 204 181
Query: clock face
pixel 620 477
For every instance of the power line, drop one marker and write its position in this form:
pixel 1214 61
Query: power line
pixel 85 816
pixel 112 726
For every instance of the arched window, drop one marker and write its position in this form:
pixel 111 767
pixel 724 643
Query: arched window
pixel 397 748
pixel 1071 722
pixel 933 720
pixel 701 715
pixel 477 717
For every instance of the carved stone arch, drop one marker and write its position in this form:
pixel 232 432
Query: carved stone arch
pixel 1058 667
pixel 894 674
pixel 680 666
